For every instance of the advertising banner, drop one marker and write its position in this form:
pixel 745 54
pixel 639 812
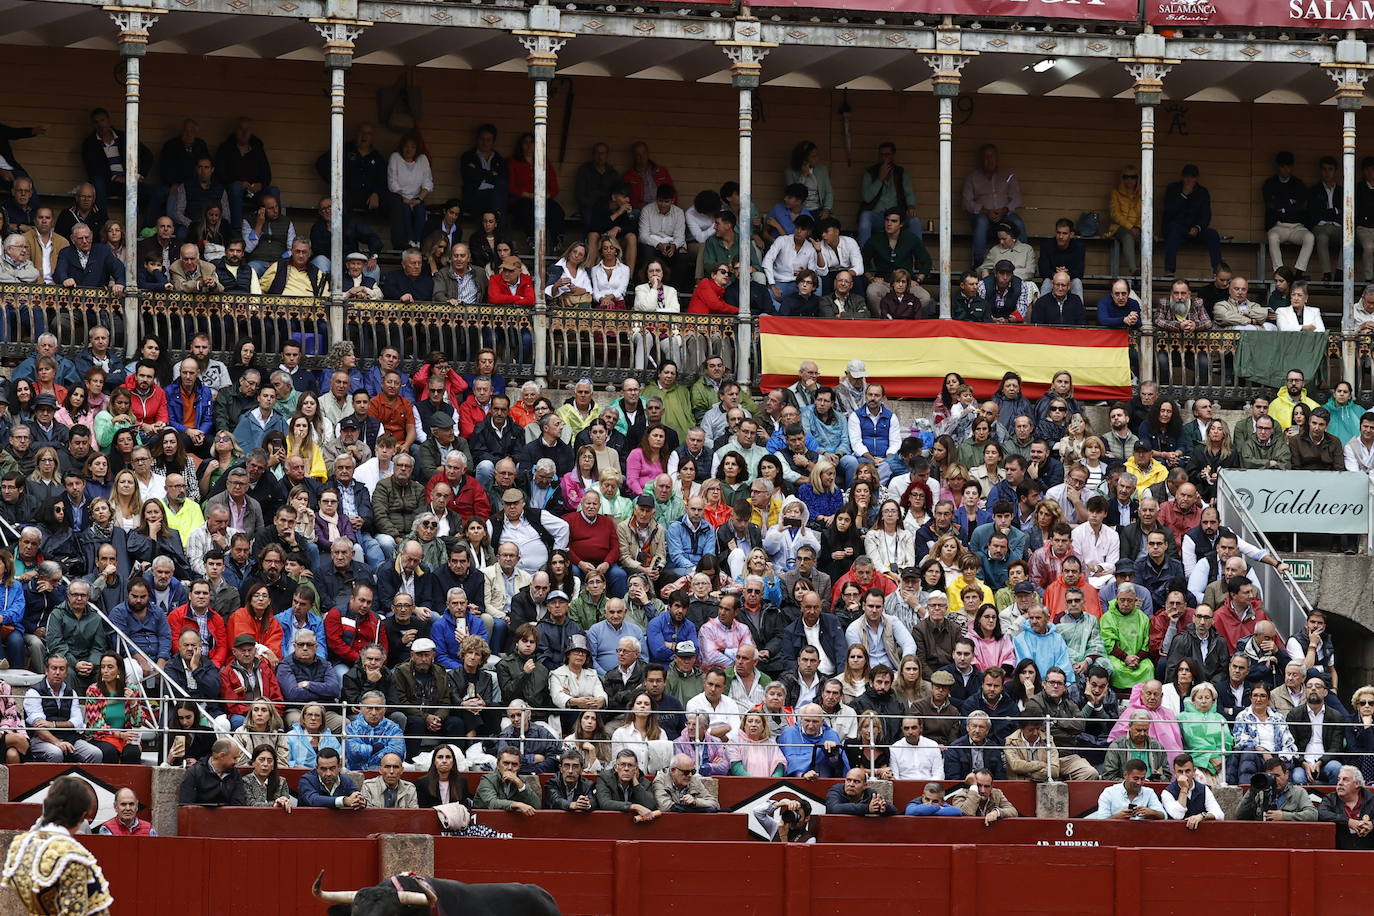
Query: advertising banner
pixel 1320 502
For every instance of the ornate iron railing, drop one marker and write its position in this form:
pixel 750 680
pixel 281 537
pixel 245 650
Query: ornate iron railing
pixel 605 346
pixel 69 314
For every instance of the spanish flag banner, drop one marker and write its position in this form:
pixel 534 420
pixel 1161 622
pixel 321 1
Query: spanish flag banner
pixel 910 358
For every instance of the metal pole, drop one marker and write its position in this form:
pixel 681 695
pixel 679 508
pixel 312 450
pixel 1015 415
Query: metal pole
pixel 743 231
pixel 338 37
pixel 1147 228
pixel 541 181
pixel 946 200
pixel 746 57
pixel 543 41
pixel 133 44
pixel 1348 210
pixel 336 189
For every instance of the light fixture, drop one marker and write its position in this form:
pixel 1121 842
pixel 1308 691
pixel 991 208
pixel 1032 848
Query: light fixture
pixel 1041 66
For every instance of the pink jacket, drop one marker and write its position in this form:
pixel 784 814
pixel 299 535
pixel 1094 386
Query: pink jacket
pixel 640 473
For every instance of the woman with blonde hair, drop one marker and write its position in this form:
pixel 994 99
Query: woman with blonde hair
pixel 301 441
pixel 948 551
pixel 910 684
pixel 261 726
pixel 124 500
pixel 573 285
pixel 854 675
pixel 868 749
pixel 820 495
pixel 718 512
pixel 1047 514
pixel 610 276
pixel 751 750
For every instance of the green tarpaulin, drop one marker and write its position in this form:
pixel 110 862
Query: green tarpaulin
pixel 1264 357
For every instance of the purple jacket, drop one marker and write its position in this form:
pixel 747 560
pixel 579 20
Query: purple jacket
pixel 709 754
pixel 322 531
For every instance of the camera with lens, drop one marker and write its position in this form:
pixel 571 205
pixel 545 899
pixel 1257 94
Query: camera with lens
pixel 1263 788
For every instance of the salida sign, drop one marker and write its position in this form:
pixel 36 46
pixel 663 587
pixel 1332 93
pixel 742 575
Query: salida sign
pixel 1345 14
pixel 1327 502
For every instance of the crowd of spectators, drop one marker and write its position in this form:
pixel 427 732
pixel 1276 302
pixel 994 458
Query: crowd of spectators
pixel 217 224
pixel 366 565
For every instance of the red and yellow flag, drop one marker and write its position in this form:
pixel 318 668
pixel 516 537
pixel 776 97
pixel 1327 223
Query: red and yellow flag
pixel 910 358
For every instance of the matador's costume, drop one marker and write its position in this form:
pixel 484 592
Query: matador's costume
pixel 54 875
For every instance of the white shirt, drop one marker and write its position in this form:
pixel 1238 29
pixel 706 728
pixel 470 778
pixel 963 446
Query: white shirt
pixel 784 260
pixel 1249 551
pixel 813 639
pixel 533 554
pixel 1100 549
pixel 921 760
pixel 700 226
pixel 657 228
pixel 617 284
pixel 1177 810
pixel 845 256
pixel 408 179
pixel 370 473
pixel 1288 319
pixel 1315 750
pixel 809 693
pixel 726 712
pixel 154 488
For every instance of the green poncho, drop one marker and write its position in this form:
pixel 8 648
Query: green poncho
pixel 1205 735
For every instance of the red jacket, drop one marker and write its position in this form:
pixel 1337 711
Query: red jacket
pixel 470 413
pixel 153 408
pixel 1232 628
pixel 454 385
pixel 498 291
pixel 592 542
pixel 346 636
pixel 521 179
pixel 632 178
pixel 469 500
pixel 709 299
pixel 269 634
pixel 179 621
pixel 232 693
pixel 115 827
pixel 880 582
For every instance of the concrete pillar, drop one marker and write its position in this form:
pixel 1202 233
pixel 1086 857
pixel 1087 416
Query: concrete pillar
pixel 338 35
pixel 133 45
pixel 1052 800
pixel 165 801
pixel 543 41
pixel 4 783
pixel 746 59
pixel 946 64
pixel 403 852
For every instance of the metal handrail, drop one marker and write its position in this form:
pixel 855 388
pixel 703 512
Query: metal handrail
pixel 1229 504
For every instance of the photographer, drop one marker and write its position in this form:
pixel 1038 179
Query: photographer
pixel 1273 798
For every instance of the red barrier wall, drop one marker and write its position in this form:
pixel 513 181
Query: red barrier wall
pixel 32 775
pixel 229 877
pixel 629 878
pixel 157 876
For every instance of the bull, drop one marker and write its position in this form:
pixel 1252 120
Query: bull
pixel 409 895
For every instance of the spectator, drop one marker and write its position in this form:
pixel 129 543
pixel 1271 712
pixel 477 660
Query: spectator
pixel 215 780
pixel 991 196
pixel 1188 217
pixel 1130 799
pixel 854 797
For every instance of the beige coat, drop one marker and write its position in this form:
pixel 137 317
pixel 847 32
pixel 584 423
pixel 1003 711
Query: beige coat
pixel 405 795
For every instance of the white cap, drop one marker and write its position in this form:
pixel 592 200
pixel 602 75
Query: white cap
pixel 856 369
pixel 423 644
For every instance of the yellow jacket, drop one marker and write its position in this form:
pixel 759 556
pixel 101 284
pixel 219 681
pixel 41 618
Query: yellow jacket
pixel 1125 208
pixel 315 465
pixel 1281 407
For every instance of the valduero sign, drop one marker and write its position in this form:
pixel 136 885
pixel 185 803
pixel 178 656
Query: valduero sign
pixel 1322 502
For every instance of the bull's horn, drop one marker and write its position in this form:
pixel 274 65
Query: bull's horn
pixel 333 896
pixel 416 898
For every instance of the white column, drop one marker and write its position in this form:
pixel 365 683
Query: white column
pixel 1149 76
pixel 746 59
pixel 945 84
pixel 339 35
pixel 1350 79
pixel 543 44
pixel 133 44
